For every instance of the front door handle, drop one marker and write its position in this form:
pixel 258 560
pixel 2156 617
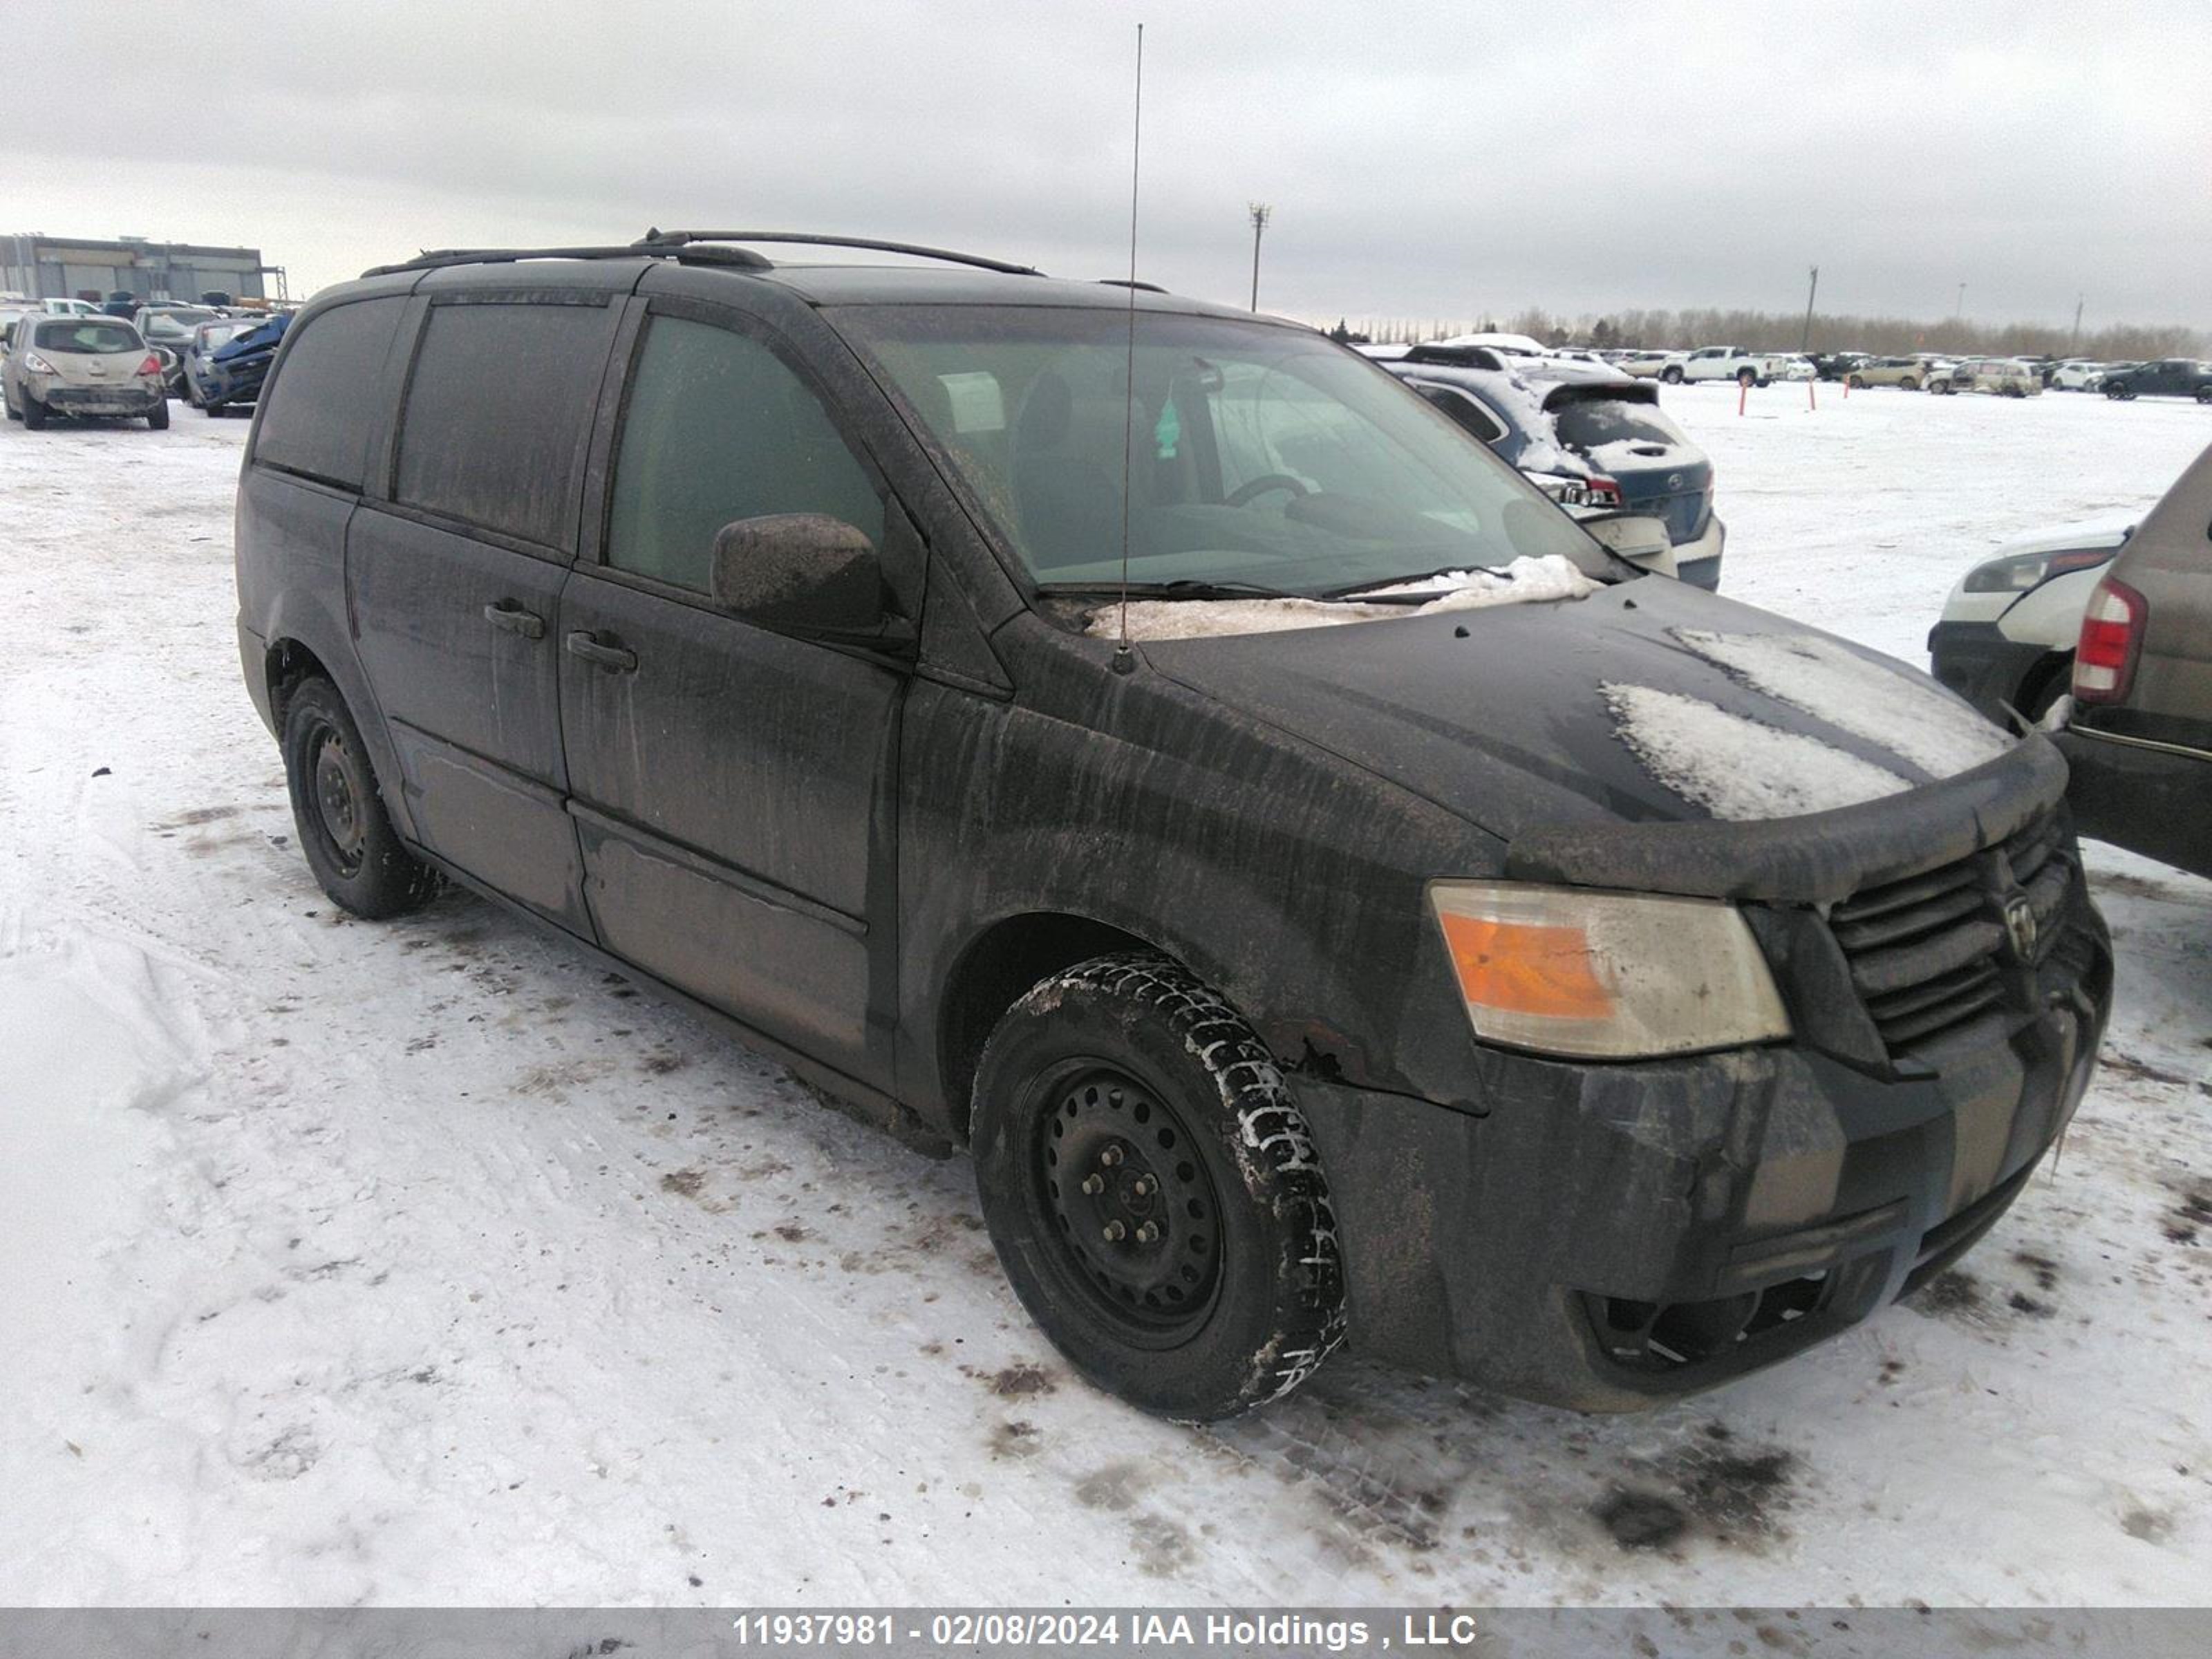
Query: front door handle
pixel 611 658
pixel 515 620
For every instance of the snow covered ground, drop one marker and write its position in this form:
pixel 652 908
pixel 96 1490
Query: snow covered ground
pixel 422 1263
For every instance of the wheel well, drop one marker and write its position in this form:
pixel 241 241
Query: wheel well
pixel 289 663
pixel 993 974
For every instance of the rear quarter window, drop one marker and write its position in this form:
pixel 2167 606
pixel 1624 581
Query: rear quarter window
pixel 497 413
pixel 321 407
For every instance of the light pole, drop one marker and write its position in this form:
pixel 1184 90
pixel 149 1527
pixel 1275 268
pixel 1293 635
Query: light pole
pixel 1960 310
pixel 1805 340
pixel 2078 299
pixel 1261 214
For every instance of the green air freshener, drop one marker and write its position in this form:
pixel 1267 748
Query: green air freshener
pixel 1168 431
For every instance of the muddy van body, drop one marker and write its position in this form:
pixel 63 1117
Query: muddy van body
pixel 1332 896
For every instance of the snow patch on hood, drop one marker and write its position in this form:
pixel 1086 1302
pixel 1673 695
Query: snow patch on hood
pixel 1912 720
pixel 1525 582
pixel 1737 768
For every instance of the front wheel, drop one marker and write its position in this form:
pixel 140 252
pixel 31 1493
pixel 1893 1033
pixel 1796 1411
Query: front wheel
pixel 1153 1193
pixel 34 413
pixel 336 807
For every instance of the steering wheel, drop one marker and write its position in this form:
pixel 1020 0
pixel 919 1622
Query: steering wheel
pixel 1245 493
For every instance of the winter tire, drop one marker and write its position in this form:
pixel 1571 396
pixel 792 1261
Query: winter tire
pixel 1908 384
pixel 157 418
pixel 338 812
pixel 2204 394
pixel 34 413
pixel 1854 383
pixel 1153 1193
pixel 1672 376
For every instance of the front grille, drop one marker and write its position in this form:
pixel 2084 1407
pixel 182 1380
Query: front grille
pixel 1928 951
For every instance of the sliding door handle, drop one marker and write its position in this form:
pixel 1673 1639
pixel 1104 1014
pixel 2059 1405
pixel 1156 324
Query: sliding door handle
pixel 593 650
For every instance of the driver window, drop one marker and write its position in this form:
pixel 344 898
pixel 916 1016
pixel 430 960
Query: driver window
pixel 718 427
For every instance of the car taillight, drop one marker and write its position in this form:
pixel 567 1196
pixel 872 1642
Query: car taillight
pixel 2111 638
pixel 1603 491
pixel 151 366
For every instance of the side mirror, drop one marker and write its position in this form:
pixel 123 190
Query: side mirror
pixel 1637 538
pixel 800 572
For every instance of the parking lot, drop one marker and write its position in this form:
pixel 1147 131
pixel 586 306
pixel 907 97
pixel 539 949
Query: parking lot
pixel 361 1263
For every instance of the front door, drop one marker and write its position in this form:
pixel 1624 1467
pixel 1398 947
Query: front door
pixel 730 786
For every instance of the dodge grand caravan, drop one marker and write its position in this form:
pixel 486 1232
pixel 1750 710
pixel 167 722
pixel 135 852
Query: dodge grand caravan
pixel 1330 894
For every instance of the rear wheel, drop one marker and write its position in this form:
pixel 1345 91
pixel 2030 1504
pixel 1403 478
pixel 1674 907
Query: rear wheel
pixel 2204 394
pixel 337 809
pixel 157 417
pixel 1671 374
pixel 1908 384
pixel 1153 1193
pixel 1855 383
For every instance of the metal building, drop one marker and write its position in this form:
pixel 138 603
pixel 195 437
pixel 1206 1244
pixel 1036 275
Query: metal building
pixel 70 267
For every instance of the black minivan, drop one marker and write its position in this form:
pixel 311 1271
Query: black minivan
pixel 1330 894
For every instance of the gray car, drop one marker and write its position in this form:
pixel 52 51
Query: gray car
pixel 82 366
pixel 2139 736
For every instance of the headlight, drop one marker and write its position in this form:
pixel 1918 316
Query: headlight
pixel 1605 975
pixel 2026 570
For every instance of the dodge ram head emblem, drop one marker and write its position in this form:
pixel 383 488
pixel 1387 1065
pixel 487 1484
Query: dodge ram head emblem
pixel 2020 925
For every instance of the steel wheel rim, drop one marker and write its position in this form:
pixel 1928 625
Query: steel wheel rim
pixel 1122 1184
pixel 339 805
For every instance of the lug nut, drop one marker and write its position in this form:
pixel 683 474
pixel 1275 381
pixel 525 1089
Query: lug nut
pixel 1111 1156
pixel 1140 1188
pixel 1093 1185
pixel 1147 1233
pixel 1116 1232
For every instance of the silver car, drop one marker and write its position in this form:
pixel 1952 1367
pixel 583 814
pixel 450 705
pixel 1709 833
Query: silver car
pixel 82 366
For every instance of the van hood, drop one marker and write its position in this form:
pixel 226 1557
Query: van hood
pixel 1649 702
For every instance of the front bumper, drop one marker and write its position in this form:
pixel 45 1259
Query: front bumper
pixel 1615 1237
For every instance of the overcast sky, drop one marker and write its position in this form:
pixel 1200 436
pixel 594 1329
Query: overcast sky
pixel 1423 161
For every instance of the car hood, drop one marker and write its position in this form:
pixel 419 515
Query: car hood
pixel 1649 702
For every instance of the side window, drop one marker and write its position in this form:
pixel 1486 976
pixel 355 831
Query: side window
pixel 497 413
pixel 1464 411
pixel 319 412
pixel 718 427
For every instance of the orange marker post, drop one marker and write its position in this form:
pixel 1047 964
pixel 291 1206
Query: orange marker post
pixel 1812 393
pixel 1742 392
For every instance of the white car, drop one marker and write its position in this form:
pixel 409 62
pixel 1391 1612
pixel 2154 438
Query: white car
pixel 2005 641
pixel 1731 363
pixel 2075 374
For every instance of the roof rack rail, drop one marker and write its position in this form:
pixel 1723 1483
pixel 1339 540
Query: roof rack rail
pixel 654 241
pixel 1130 281
pixel 432 259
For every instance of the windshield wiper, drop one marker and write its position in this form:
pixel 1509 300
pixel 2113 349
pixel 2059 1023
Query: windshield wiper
pixel 1366 590
pixel 1185 587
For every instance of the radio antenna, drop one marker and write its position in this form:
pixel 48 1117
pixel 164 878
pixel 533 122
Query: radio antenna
pixel 1124 663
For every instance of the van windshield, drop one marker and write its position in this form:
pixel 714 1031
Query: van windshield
pixel 1259 456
